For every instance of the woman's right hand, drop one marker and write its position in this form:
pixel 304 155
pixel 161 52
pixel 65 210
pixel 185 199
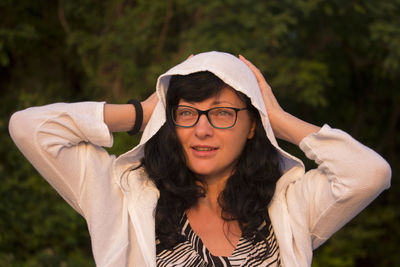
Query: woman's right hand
pixel 148 106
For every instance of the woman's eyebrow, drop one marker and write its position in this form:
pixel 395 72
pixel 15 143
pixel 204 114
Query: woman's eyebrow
pixel 218 102
pixel 215 102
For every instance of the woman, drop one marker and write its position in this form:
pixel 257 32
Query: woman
pixel 201 190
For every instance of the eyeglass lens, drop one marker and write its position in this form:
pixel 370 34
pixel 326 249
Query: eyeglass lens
pixel 220 117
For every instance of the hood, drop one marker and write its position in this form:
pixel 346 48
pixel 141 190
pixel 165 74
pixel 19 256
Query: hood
pixel 233 72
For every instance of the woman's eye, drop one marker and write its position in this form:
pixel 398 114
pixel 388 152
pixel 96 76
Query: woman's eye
pixel 185 113
pixel 224 113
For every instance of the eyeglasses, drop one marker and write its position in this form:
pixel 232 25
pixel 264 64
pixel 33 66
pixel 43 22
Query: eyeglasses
pixel 219 117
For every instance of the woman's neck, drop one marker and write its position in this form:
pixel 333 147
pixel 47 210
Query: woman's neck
pixel 214 188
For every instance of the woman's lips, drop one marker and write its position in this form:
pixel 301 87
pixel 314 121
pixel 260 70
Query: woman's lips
pixel 203 151
pixel 203 148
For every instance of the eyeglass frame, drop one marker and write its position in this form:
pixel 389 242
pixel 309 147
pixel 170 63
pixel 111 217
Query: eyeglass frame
pixel 205 112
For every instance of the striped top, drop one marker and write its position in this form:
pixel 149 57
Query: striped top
pixel 192 252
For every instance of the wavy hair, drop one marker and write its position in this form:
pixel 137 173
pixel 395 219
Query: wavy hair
pixel 180 188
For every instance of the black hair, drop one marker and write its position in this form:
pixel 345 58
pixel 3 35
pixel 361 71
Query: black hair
pixel 180 188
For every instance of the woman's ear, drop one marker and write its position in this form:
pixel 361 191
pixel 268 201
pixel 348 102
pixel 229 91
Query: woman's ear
pixel 252 130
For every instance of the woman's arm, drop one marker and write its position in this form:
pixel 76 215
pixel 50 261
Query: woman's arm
pixel 64 144
pixel 285 126
pixel 121 118
pixel 349 175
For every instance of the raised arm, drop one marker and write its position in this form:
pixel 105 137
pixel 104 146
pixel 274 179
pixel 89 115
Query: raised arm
pixel 349 175
pixel 63 142
pixel 121 118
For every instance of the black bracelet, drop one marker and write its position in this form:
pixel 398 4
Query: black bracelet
pixel 139 116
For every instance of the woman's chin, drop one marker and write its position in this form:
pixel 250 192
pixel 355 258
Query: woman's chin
pixel 210 176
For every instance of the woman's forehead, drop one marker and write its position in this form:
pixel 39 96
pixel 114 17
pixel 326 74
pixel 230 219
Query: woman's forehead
pixel 227 96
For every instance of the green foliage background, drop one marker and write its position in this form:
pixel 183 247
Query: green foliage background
pixel 334 62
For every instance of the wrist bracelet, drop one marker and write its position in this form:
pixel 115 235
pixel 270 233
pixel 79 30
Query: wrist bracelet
pixel 139 116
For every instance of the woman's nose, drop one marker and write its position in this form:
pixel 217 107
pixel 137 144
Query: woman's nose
pixel 203 128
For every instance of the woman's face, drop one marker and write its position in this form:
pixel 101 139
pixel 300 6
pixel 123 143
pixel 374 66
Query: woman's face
pixel 212 153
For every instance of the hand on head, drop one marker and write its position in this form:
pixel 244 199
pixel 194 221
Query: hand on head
pixel 148 106
pixel 284 125
pixel 270 101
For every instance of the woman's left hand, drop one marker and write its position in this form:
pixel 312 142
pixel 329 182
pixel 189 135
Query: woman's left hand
pixel 284 125
pixel 271 104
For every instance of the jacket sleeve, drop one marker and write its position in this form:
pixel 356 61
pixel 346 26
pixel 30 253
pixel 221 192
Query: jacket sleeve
pixel 349 176
pixel 63 142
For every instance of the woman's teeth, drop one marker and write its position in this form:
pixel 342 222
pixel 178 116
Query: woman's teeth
pixel 203 148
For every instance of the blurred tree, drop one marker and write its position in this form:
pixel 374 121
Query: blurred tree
pixel 328 61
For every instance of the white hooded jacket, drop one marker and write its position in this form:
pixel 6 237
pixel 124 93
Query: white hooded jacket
pixel 64 143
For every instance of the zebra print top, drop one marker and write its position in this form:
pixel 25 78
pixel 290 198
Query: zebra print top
pixel 193 253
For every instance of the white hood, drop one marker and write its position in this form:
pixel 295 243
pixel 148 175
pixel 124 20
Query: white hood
pixel 232 71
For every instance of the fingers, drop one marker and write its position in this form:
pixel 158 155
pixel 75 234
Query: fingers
pixel 153 98
pixel 148 106
pixel 266 91
pixel 260 78
pixel 249 64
